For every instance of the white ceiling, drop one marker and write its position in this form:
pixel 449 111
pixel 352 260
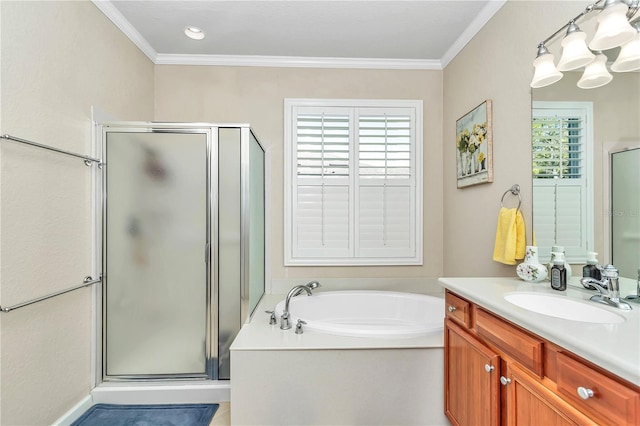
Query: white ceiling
pixel 358 33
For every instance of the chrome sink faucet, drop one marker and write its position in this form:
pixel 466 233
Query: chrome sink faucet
pixel 285 323
pixel 635 297
pixel 608 287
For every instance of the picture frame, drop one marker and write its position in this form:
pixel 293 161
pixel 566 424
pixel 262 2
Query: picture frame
pixel 474 146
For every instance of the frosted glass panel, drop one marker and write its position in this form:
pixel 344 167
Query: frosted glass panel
pixel 229 245
pixel 256 222
pixel 156 282
pixel 625 212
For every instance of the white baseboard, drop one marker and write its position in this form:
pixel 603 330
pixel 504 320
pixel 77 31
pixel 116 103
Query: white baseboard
pixel 74 413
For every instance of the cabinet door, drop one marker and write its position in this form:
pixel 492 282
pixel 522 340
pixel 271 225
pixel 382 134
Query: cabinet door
pixel 531 403
pixel 471 382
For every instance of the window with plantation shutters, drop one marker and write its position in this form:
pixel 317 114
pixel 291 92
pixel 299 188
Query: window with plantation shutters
pixel 562 177
pixel 353 182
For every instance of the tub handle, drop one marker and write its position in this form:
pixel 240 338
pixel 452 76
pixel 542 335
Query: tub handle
pixel 299 329
pixel 272 318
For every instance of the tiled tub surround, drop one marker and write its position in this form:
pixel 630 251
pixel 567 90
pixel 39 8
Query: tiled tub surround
pixel 281 378
pixel 613 347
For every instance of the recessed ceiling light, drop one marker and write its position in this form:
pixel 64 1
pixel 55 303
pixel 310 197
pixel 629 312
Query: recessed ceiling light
pixel 194 33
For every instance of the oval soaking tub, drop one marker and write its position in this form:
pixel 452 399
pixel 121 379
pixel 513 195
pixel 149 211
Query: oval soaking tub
pixel 362 313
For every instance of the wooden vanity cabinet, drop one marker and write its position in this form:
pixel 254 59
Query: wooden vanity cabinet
pixel 529 402
pixel 472 394
pixel 497 373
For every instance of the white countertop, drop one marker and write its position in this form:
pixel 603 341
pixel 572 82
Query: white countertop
pixel 614 347
pixel 258 334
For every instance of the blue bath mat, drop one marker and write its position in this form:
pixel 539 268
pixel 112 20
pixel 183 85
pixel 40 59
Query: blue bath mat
pixel 148 415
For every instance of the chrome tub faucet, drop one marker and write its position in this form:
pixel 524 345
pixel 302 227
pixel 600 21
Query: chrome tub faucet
pixel 608 287
pixel 285 323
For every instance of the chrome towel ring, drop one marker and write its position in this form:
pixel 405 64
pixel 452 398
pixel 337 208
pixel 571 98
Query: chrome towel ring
pixel 515 190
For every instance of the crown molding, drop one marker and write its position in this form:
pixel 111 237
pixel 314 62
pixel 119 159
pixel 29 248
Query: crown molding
pixel 474 28
pixel 297 62
pixel 111 12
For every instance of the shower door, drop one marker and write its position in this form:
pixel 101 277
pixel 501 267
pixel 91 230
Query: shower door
pixel 625 212
pixel 156 254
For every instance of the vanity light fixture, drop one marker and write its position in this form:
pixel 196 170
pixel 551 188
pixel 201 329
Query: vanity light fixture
pixel 194 33
pixel 614 30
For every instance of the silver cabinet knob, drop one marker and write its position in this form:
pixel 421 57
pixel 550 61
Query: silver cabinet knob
pixel 585 393
pixel 505 380
pixel 452 308
pixel 488 368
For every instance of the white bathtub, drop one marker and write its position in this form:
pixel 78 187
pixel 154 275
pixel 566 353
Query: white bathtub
pixel 376 314
pixel 402 378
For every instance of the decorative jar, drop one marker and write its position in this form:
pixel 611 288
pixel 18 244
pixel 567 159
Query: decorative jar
pixel 531 269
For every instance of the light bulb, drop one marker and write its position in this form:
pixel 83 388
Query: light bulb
pixel 194 33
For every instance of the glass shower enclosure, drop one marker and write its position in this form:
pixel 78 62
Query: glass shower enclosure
pixel 182 247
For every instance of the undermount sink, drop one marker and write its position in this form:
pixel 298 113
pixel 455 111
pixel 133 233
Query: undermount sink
pixel 562 307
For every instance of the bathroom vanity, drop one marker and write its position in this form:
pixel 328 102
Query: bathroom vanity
pixel 505 364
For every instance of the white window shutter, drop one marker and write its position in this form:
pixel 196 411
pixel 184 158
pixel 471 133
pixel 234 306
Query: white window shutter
pixel 561 146
pixel 322 221
pixel 386 174
pixel 544 213
pixel 384 228
pixel 353 182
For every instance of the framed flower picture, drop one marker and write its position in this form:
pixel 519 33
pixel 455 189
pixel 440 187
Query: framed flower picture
pixel 474 146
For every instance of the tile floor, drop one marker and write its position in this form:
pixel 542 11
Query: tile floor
pixel 222 416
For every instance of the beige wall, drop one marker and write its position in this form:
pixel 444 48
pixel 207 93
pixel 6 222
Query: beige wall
pixel 496 65
pixel 256 95
pixel 57 60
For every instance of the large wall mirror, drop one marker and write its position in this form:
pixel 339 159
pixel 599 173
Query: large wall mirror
pixel 572 200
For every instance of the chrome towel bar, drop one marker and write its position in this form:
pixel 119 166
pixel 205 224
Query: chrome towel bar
pixel 87 160
pixel 87 282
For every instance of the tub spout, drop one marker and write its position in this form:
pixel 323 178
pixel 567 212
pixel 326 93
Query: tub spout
pixel 285 323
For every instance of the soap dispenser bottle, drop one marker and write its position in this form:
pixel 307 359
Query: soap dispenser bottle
pixel 590 270
pixel 558 273
pixel 554 251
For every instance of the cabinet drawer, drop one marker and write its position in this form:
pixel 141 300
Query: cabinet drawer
pixel 620 404
pixel 519 345
pixel 458 309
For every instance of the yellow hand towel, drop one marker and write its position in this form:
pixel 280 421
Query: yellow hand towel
pixel 510 237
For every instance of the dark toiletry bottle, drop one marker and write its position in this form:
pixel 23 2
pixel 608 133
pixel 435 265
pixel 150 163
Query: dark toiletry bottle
pixel 558 273
pixel 590 270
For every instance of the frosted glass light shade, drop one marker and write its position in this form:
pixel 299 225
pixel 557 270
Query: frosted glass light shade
pixel 545 72
pixel 596 73
pixel 629 56
pixel 613 28
pixel 575 53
